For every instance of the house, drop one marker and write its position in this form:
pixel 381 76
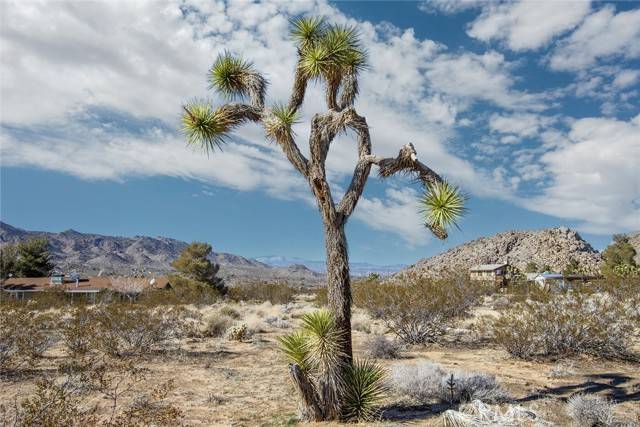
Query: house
pixel 22 288
pixel 489 273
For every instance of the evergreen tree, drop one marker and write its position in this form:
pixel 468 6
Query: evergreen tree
pixel 34 259
pixel 194 264
pixel 8 261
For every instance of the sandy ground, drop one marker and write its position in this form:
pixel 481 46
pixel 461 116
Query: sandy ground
pixel 225 383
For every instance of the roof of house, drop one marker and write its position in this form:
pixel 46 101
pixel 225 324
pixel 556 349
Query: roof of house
pixel 487 267
pixel 548 275
pixel 87 284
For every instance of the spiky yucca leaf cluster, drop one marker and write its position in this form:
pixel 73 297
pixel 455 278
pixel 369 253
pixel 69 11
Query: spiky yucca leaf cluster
pixel 204 126
pixel 323 341
pixel 278 125
pixel 364 391
pixel 443 205
pixel 233 77
pixel 316 349
pixel 328 51
pixel 307 31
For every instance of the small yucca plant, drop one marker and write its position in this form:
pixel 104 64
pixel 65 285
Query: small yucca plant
pixel 315 348
pixel 364 391
pixel 443 205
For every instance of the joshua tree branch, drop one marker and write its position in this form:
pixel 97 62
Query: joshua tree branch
pixel 406 162
pixel 363 167
pixel 299 89
pixel 294 155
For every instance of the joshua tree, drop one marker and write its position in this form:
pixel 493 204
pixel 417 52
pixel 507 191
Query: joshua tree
pixel 331 55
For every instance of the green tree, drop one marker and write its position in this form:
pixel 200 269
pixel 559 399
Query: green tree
pixel 34 259
pixel 619 256
pixel 333 56
pixel 194 264
pixel 531 267
pixel 8 260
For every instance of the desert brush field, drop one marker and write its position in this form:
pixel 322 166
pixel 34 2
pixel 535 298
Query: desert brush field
pixel 151 362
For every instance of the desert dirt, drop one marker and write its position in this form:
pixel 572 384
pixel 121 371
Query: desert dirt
pixel 226 383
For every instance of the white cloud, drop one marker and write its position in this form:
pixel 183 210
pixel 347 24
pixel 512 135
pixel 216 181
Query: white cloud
pixel 449 6
pixel 603 34
pixel 594 176
pixel 625 78
pixel 522 125
pixel 398 213
pixel 527 24
pixel 486 77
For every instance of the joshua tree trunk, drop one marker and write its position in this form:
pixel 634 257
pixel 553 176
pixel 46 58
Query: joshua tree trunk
pixel 339 283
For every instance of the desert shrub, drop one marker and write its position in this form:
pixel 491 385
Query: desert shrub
pixel 24 337
pixel 426 382
pixel 217 325
pixel 125 330
pixel 238 333
pixel 380 347
pixel 316 368
pixel 150 409
pixel 421 310
pixel 52 405
pixel 591 411
pixel 276 293
pixel 78 332
pixel 566 325
pixel 230 312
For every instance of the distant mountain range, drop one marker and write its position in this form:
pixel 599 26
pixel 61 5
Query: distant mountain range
pixel 93 254
pixel 356 268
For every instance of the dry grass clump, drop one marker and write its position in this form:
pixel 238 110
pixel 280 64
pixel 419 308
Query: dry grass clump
pixel 216 325
pixel 230 312
pixel 428 382
pixel 591 411
pixel 380 347
pixel 478 414
pixel 361 321
pixel 566 325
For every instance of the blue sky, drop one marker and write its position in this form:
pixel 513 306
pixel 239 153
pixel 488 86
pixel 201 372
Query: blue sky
pixel 532 107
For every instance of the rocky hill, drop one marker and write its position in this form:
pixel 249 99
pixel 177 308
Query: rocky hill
pixel 634 239
pixel 90 254
pixel 552 246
